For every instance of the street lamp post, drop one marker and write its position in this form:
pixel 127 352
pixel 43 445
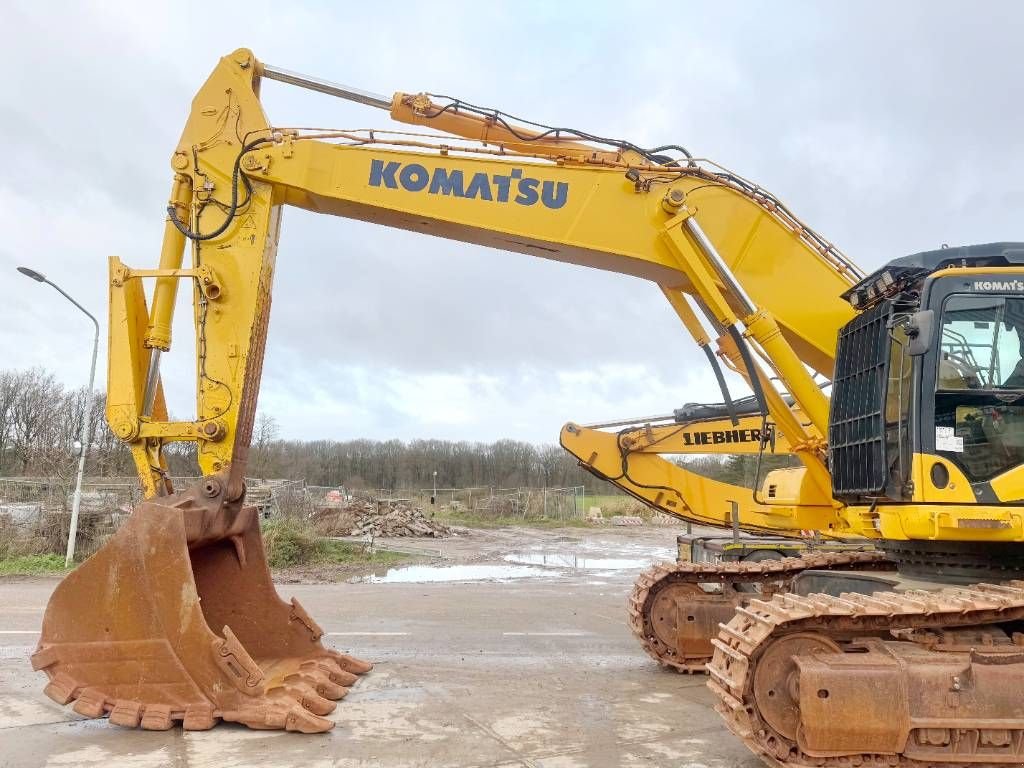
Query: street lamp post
pixel 76 502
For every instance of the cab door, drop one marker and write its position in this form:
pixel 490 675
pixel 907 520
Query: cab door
pixel 973 390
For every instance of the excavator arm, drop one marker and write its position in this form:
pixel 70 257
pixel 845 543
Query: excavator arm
pixel 633 459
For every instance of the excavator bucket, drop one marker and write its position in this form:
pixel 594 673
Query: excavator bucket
pixel 176 618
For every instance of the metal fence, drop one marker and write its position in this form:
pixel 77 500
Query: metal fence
pixel 35 511
pixel 523 503
pixel 494 502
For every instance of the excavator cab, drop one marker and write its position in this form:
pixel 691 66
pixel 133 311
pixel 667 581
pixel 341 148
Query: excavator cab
pixel 944 330
pixel 926 446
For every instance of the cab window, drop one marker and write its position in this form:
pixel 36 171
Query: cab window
pixel 979 398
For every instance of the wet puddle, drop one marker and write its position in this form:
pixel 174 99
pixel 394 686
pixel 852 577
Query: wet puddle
pixel 608 557
pixel 422 574
pixel 578 562
pixel 596 559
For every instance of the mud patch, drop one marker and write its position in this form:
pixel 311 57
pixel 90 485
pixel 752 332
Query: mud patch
pixel 382 719
pixel 97 755
pixel 19 712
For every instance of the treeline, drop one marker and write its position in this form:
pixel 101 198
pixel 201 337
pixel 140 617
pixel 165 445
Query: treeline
pixel 41 425
pixel 411 465
pixel 41 422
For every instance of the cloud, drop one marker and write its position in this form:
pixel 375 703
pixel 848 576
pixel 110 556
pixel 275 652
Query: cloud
pixel 891 128
pixel 524 402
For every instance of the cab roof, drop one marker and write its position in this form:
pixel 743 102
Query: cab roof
pixel 900 273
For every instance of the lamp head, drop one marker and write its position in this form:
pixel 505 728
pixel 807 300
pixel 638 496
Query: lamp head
pixel 37 276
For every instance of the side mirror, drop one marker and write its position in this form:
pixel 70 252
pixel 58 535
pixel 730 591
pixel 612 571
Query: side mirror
pixel 920 329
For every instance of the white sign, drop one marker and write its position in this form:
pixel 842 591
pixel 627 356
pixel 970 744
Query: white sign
pixel 946 440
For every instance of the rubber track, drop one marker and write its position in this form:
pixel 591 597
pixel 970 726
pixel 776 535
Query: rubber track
pixel 759 623
pixel 782 570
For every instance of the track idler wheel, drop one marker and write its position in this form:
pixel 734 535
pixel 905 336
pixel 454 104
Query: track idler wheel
pixel 675 619
pixel 777 680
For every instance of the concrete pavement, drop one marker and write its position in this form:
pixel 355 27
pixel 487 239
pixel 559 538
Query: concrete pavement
pixel 538 671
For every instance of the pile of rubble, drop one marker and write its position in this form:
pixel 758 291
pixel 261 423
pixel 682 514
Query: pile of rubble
pixel 377 517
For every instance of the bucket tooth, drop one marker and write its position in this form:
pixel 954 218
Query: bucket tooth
pixel 330 690
pixel 176 618
pixel 90 703
pixel 320 681
pixel 306 695
pixel 43 659
pixel 62 688
pixel 199 717
pixel 127 714
pixel 333 670
pixel 302 721
pixel 157 717
pixel 284 714
pixel 351 663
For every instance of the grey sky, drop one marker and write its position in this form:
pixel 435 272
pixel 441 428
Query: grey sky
pixel 889 127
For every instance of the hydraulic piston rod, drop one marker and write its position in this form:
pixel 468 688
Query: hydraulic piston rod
pixel 631 422
pixel 346 92
pixel 720 267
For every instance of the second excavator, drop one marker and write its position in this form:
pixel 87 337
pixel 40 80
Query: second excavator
pixel 675 609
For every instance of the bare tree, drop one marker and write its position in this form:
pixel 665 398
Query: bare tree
pixel 8 392
pixel 32 413
pixel 265 431
pixel 549 457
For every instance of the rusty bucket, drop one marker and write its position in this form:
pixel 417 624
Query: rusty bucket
pixel 176 619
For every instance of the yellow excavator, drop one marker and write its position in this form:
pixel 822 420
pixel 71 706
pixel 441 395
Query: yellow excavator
pixel 917 449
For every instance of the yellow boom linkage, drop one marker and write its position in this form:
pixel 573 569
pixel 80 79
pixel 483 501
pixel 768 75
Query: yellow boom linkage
pixel 633 460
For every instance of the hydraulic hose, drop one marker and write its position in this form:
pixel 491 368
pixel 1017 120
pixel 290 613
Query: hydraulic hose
pixel 722 385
